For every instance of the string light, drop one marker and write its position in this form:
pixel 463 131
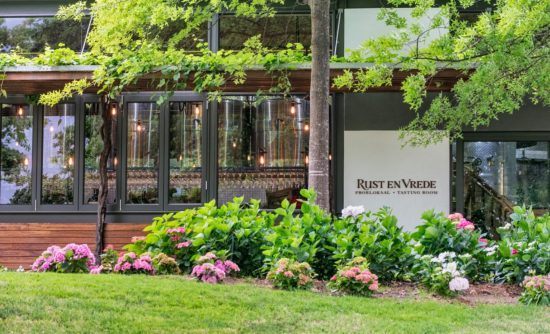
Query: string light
pixel 26 162
pixel 330 156
pixel 139 128
pixel 306 127
pixel 113 111
pixel 197 110
pixel 307 160
pixel 71 161
pixel 292 108
pixel 115 161
pixel 51 128
pixel 262 160
pixel 234 144
pixel 180 158
pixel 20 111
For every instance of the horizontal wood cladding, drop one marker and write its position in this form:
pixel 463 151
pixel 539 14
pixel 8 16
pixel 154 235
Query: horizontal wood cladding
pixel 21 243
pixel 39 82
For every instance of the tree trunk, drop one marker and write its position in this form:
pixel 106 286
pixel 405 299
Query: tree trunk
pixel 319 95
pixel 105 131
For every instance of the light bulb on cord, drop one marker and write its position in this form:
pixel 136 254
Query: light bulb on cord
pixel 307 159
pixel 71 161
pixel 330 156
pixel 180 158
pixel 26 162
pixel 306 127
pixel 262 160
pixel 51 128
pixel 20 111
pixel 292 108
pixel 197 110
pixel 113 111
pixel 115 161
pixel 139 128
pixel 234 144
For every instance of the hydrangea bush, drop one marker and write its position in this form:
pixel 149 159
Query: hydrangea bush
pixel 442 274
pixel 130 263
pixel 72 258
pixel 355 278
pixel 165 265
pixel 109 258
pixel 289 274
pixel 537 290
pixel 211 269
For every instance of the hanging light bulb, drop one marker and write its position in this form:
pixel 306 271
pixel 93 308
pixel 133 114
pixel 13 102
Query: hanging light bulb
pixel 51 128
pixel 20 111
pixel 139 127
pixel 248 157
pixel 180 158
pixel 71 161
pixel 234 144
pixel 115 161
pixel 330 156
pixel 113 110
pixel 307 159
pixel 26 161
pixel 16 143
pixel 292 108
pixel 306 127
pixel 197 110
pixel 262 160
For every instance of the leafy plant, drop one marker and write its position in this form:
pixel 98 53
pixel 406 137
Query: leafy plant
pixel 165 265
pixel 355 278
pixel 376 237
pixel 524 248
pixel 290 274
pixel 537 290
pixel 72 258
pixel 212 269
pixel 109 259
pixel 302 237
pixel 130 263
pixel 442 274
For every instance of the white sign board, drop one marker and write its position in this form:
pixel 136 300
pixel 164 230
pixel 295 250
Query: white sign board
pixel 379 171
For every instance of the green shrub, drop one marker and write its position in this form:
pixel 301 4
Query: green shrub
pixel 233 227
pixel 443 274
pixel 354 278
pixel 537 290
pixel 524 248
pixel 109 259
pixel 376 237
pixel 289 274
pixel 302 237
pixel 165 265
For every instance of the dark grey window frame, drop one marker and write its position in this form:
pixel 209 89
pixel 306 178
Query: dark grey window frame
pixel 510 136
pixel 7 208
pixel 163 177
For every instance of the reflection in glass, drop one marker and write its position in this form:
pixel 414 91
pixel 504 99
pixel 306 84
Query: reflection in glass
pixel 276 32
pixel 32 34
pixel 185 152
pixel 500 175
pixel 93 146
pixel 15 154
pixel 263 150
pixel 58 157
pixel 142 154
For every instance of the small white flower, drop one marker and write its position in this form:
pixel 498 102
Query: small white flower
pixel 352 211
pixel 459 284
pixel 20 269
pixel 507 226
pixel 451 268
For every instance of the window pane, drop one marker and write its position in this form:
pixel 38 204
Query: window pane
pixel 31 35
pixel 185 152
pixel 499 175
pixel 58 154
pixel 143 153
pixel 93 146
pixel 276 32
pixel 15 154
pixel 262 152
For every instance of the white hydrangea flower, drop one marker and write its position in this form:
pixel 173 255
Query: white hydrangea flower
pixel 352 211
pixel 20 269
pixel 507 226
pixel 459 284
pixel 451 268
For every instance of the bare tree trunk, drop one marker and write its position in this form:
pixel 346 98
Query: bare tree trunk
pixel 105 132
pixel 319 94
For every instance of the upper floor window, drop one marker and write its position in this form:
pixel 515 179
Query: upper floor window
pixel 32 34
pixel 276 32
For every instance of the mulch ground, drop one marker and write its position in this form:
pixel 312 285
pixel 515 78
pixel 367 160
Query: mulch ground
pixel 478 293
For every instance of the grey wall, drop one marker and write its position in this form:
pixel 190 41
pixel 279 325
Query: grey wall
pixel 386 111
pixel 29 8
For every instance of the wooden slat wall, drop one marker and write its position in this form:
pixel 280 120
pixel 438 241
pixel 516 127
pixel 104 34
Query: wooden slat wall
pixel 21 243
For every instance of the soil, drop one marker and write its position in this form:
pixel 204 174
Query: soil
pixel 478 293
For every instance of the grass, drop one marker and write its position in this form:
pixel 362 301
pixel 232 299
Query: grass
pixel 57 303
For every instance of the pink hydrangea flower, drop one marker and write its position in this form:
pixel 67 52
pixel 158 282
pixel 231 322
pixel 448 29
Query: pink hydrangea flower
pixel 455 217
pixel 465 225
pixel 288 274
pixel 184 244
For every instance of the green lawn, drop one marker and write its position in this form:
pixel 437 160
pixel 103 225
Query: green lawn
pixel 56 303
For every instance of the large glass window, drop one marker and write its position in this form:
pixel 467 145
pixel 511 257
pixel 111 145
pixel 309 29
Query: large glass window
pixel 15 154
pixel 93 147
pixel 499 175
pixel 263 150
pixel 142 153
pixel 276 32
pixel 58 154
pixel 185 152
pixel 32 34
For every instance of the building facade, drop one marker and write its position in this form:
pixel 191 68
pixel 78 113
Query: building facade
pixel 189 151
